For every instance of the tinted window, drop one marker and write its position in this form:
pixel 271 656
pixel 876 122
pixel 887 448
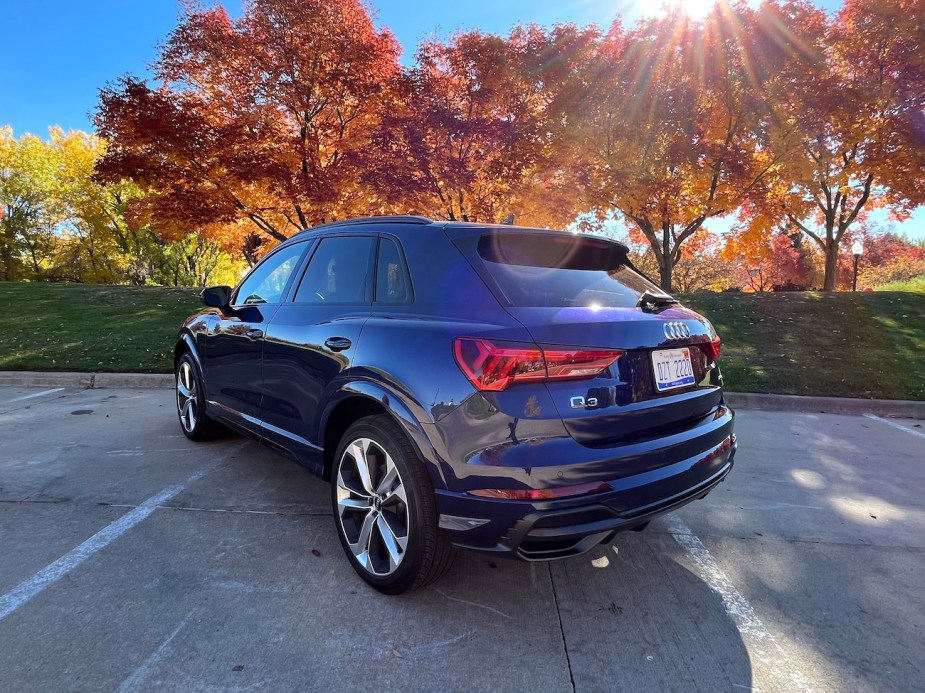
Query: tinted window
pixel 392 284
pixel 536 270
pixel 267 282
pixel 338 272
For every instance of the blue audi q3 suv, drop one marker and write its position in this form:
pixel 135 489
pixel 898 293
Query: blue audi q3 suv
pixel 515 391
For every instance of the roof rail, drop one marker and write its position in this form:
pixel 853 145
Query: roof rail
pixel 397 219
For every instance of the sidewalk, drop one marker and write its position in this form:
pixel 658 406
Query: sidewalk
pixel 893 408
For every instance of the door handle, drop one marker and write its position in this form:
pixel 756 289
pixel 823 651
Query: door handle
pixel 337 343
pixel 255 334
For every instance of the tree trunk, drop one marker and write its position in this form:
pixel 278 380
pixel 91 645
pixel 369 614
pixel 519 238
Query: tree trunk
pixel 665 271
pixel 831 266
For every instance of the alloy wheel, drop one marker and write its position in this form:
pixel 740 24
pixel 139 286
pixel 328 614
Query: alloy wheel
pixel 186 396
pixel 372 507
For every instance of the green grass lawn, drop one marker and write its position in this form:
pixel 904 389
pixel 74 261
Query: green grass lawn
pixel 914 284
pixel 83 327
pixel 851 345
pixel 844 345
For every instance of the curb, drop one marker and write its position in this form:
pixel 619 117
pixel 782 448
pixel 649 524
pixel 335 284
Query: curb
pixel 892 408
pixel 86 381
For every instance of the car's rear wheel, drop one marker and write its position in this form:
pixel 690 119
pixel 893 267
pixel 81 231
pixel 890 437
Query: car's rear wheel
pixel 384 508
pixel 191 402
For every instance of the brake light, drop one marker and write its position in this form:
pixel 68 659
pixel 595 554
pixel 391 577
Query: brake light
pixel 542 493
pixel 712 349
pixel 569 365
pixel 494 367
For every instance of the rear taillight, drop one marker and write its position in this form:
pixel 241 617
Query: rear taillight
pixel 711 349
pixel 493 367
pixel 542 493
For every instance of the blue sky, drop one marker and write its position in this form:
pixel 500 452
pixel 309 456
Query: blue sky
pixel 56 54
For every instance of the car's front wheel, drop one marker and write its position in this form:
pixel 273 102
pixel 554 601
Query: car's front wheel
pixel 384 508
pixel 191 402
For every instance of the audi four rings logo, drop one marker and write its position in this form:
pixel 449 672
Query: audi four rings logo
pixel 677 330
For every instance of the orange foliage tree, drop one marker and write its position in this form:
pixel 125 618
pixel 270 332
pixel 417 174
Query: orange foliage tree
pixel 701 266
pixel 263 120
pixel 888 257
pixel 666 132
pixel 856 117
pixel 781 261
pixel 467 138
pixel 298 113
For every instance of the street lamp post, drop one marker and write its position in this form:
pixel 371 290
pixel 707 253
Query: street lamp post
pixel 857 250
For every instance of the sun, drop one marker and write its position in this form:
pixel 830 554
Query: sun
pixel 695 9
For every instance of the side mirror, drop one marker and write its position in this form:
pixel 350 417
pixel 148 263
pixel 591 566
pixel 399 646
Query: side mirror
pixel 217 297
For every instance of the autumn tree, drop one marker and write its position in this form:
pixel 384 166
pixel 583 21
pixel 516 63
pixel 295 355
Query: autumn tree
pixel 858 116
pixel 30 207
pixel 776 260
pixel 888 257
pixel 700 267
pixel 263 119
pixel 93 241
pixel 667 131
pixel 467 138
pixel 58 223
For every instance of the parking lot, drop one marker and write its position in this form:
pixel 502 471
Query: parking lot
pixel 133 559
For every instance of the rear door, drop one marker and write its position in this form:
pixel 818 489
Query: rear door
pixel 312 340
pixel 580 292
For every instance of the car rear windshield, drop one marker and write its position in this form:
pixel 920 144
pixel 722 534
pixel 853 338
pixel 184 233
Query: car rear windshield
pixel 538 270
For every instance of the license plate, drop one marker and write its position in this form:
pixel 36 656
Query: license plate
pixel 672 368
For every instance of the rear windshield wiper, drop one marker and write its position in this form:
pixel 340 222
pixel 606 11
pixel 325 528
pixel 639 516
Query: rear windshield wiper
pixel 650 301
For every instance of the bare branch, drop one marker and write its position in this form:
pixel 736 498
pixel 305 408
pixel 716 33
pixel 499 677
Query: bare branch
pixel 805 229
pixel 868 183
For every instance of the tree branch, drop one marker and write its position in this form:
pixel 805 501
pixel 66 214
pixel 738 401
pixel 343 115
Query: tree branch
pixel 868 183
pixel 806 230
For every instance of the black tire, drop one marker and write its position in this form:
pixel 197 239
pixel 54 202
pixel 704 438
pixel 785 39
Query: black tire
pixel 191 402
pixel 406 504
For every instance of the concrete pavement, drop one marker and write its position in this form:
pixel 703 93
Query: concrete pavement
pixel 133 559
pixel 893 408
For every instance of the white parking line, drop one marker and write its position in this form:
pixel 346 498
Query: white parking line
pixel 36 394
pixel 895 425
pixel 755 636
pixel 27 589
pixel 134 681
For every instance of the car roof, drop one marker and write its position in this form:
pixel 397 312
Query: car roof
pixel 419 221
pixel 454 229
pixel 371 221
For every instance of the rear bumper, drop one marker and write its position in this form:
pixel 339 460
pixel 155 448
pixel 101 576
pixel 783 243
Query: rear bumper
pixel 544 530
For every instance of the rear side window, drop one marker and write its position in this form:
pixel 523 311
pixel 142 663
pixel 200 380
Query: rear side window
pixel 534 270
pixel 338 272
pixel 392 282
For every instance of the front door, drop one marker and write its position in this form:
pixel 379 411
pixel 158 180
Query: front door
pixel 233 351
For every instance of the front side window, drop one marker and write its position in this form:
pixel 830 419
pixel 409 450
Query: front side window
pixel 267 282
pixel 338 272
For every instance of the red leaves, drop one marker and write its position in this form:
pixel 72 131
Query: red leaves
pixel 466 136
pixel 263 119
pixel 298 112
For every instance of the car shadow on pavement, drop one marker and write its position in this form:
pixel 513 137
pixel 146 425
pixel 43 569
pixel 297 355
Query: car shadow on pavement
pixel 627 616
